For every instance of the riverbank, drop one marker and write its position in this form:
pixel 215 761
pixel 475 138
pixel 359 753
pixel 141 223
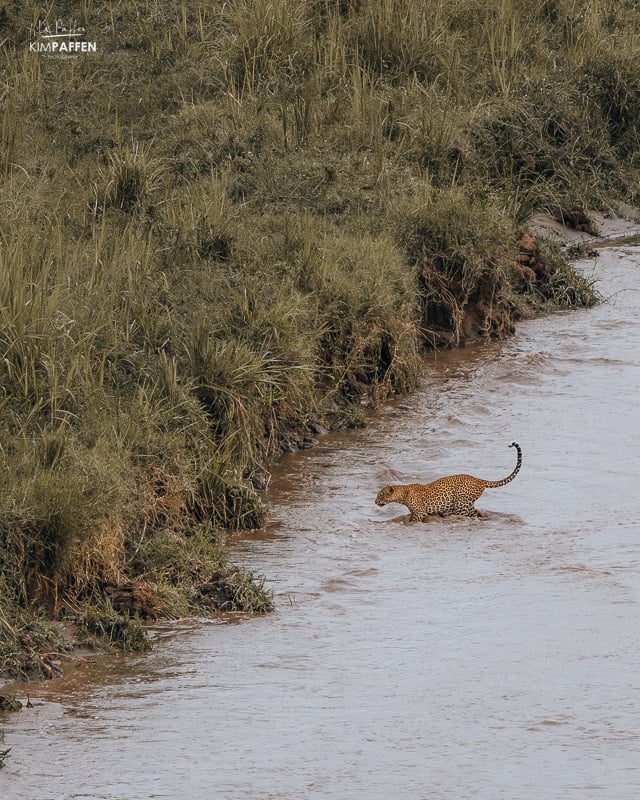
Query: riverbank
pixel 231 228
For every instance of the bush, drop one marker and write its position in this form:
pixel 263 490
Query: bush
pixel 103 626
pixel 611 81
pixel 462 246
pixel 364 298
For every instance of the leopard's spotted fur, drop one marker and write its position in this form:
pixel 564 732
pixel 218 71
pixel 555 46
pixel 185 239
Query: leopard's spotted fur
pixel 452 495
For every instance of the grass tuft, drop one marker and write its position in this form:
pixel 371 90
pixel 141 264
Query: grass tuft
pixel 129 180
pixel 235 590
pixel 103 626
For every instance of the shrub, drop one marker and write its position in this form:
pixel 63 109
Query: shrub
pixel 364 298
pixel 462 247
pixel 611 81
pixel 103 625
pixel 129 180
pixel 269 44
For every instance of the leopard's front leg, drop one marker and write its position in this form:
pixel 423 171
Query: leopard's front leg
pixel 417 513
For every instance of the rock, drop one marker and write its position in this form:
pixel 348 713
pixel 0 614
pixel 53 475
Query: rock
pixel 288 445
pixel 51 668
pixel 136 598
pixel 527 245
pixel 529 264
pixel 260 479
pixel 525 274
pixel 575 217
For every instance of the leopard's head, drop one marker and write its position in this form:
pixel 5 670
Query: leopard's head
pixel 386 495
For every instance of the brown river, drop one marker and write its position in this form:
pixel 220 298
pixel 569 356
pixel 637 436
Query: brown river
pixel 488 658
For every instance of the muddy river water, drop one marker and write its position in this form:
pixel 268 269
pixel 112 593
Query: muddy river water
pixel 492 658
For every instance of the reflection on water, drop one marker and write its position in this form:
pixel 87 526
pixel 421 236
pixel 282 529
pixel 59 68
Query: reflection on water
pixel 492 658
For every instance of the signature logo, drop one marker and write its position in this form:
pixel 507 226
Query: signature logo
pixel 61 39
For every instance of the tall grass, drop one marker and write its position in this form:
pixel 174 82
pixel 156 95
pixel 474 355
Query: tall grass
pixel 233 220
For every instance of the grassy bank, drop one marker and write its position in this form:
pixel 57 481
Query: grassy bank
pixel 236 223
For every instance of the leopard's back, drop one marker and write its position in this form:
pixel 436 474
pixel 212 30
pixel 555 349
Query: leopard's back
pixel 454 494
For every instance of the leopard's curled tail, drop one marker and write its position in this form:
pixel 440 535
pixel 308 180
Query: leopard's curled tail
pixel 509 478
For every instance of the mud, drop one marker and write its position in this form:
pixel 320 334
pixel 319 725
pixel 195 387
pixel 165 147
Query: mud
pixel 492 658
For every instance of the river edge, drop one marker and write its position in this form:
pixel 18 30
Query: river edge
pixel 578 245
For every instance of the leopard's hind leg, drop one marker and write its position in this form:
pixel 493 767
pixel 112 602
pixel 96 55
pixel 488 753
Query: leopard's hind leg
pixel 475 513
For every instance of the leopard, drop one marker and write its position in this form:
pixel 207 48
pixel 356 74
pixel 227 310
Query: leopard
pixel 453 495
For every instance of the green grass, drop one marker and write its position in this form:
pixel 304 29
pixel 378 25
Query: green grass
pixel 238 217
